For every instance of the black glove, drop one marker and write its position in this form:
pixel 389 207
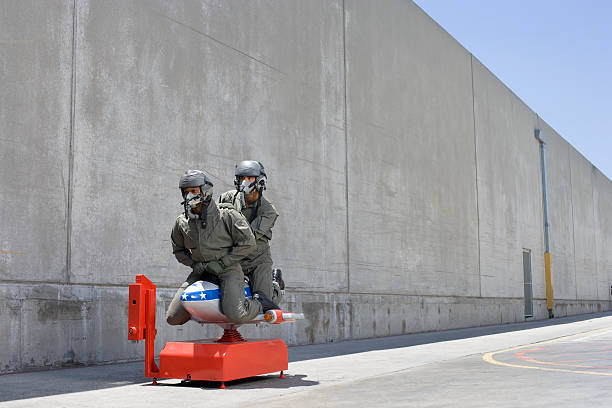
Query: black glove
pixel 215 267
pixel 199 267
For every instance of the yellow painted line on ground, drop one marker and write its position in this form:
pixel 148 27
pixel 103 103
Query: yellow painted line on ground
pixel 3 252
pixel 559 363
pixel 489 356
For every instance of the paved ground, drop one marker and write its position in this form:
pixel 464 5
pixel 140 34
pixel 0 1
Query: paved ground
pixel 564 361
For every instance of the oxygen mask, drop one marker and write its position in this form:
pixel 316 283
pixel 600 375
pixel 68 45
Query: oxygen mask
pixel 194 204
pixel 246 187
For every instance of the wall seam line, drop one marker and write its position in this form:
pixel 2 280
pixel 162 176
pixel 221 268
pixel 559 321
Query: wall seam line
pixel 71 147
pixel 346 153
pixel 21 337
pixel 569 162
pixel 476 174
pixel 595 234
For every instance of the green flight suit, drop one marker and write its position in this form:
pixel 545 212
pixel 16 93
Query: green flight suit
pixel 226 237
pixel 258 264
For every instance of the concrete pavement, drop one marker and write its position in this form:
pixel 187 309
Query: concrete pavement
pixel 572 364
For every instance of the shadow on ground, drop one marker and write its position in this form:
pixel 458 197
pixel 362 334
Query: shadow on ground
pixel 67 380
pixel 259 382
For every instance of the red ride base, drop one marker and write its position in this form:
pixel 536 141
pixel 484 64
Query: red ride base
pixel 208 360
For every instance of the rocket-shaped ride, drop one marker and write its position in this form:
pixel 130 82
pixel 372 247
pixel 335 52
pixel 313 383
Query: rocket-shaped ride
pixel 201 300
pixel 225 359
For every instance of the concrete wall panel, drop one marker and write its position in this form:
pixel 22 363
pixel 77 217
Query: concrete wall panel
pixel 509 188
pixel 412 218
pixel 11 340
pixel 584 226
pixel 602 199
pixel 412 198
pixel 212 84
pixel 36 78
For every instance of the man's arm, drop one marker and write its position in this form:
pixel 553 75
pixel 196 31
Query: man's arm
pixel 232 197
pixel 182 254
pixel 267 217
pixel 226 197
pixel 244 240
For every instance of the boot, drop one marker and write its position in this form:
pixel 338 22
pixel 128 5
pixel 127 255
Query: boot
pixel 277 276
pixel 266 303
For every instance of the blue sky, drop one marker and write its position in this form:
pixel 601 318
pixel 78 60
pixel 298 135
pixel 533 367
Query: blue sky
pixel 556 55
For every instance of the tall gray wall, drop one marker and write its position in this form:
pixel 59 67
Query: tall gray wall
pixel 406 175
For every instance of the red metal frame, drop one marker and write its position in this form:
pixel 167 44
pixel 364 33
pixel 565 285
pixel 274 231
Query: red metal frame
pixel 141 320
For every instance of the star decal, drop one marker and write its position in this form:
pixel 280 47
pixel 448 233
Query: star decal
pixel 203 295
pixel 184 296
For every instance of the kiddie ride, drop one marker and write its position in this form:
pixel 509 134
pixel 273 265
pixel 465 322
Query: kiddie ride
pixel 227 358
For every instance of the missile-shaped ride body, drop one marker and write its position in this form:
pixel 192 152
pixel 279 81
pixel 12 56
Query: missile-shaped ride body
pixel 201 299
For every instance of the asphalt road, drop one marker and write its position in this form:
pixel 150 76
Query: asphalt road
pixel 564 361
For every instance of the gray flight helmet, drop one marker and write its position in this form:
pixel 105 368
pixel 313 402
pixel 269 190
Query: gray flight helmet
pixel 196 178
pixel 251 168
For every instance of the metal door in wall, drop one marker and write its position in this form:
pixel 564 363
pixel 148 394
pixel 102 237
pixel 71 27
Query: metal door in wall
pixel 527 283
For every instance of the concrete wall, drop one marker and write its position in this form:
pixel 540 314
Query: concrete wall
pixel 407 176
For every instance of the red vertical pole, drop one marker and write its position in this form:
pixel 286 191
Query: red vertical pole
pixel 141 320
pixel 151 369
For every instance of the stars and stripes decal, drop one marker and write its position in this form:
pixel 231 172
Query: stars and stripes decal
pixel 212 294
pixel 200 295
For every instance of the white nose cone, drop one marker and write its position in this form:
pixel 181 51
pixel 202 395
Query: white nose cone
pixel 201 300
